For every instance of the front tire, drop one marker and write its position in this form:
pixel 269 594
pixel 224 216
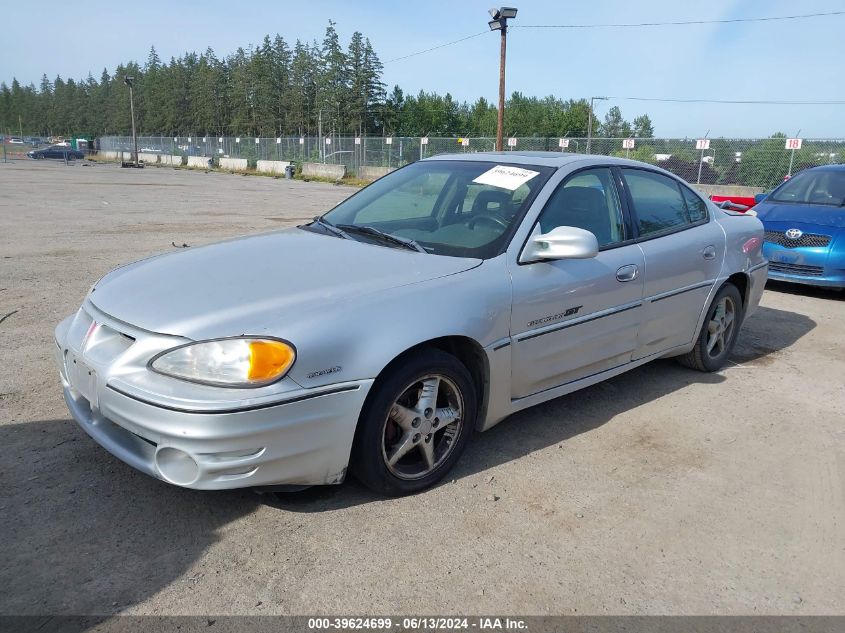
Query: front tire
pixel 718 333
pixel 415 424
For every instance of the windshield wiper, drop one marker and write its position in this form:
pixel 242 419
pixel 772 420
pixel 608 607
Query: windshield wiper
pixel 385 237
pixel 331 228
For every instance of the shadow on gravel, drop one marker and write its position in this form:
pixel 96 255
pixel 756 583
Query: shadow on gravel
pixel 83 533
pixel 765 333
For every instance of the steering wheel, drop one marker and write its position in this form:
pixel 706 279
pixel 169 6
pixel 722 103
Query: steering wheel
pixel 492 219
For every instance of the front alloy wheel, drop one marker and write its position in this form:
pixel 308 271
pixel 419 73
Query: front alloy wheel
pixel 416 422
pixel 421 427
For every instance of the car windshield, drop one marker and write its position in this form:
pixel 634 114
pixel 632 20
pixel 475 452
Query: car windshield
pixel 825 186
pixel 447 207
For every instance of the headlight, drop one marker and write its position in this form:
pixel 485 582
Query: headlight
pixel 231 362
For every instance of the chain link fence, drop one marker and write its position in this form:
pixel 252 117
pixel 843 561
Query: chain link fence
pixel 760 163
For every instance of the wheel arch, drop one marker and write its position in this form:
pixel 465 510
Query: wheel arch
pixel 468 351
pixel 743 284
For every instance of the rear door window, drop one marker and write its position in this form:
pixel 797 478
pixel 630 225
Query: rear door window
pixel 658 202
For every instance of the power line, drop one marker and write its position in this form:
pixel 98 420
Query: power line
pixel 681 23
pixel 633 25
pixel 434 48
pixel 735 101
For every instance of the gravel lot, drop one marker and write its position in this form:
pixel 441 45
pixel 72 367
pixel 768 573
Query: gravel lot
pixel 661 491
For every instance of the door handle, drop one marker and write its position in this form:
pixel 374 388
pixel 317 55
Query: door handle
pixel 709 252
pixel 628 273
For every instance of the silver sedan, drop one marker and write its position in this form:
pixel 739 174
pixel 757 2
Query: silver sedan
pixel 434 303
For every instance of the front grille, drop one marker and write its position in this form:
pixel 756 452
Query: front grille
pixel 796 269
pixel 807 239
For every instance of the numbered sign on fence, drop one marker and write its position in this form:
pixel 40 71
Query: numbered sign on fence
pixel 563 143
pixel 203 139
pixel 257 141
pixel 189 139
pixel 424 140
pixel 702 144
pixel 388 140
pixel 237 139
pixel 328 140
pixel 793 143
pixel 627 143
pixel 512 142
pixel 220 139
pixel 357 140
pixel 278 141
pixel 464 142
pixel 301 141
pixel 175 139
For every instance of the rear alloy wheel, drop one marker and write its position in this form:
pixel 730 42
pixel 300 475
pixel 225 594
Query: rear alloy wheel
pixel 415 424
pixel 718 333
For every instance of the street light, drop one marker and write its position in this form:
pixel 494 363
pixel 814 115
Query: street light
pixel 128 81
pixel 590 121
pixel 500 23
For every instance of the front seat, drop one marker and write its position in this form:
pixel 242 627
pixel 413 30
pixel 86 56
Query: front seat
pixel 582 207
pixel 500 200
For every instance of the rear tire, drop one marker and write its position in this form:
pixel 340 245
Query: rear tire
pixel 415 424
pixel 718 333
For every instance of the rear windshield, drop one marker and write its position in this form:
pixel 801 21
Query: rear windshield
pixel 825 187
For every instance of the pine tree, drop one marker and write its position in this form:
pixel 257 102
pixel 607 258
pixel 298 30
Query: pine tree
pixel 375 88
pixel 331 81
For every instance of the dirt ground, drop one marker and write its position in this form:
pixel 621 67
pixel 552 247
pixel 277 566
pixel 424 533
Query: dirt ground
pixel 661 491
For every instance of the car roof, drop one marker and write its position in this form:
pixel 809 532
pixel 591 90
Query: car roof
pixel 544 159
pixel 837 167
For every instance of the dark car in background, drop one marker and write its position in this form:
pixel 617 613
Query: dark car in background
pixel 804 219
pixel 56 151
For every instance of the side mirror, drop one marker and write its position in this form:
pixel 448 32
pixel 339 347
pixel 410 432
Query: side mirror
pixel 562 242
pixel 759 197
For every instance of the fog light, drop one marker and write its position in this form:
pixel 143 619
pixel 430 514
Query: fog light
pixel 177 466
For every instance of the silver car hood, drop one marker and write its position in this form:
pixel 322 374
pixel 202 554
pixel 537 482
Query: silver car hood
pixel 251 285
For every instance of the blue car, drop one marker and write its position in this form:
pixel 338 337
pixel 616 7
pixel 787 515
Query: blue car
pixel 804 219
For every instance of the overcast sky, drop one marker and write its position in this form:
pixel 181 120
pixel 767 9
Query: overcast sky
pixel 789 60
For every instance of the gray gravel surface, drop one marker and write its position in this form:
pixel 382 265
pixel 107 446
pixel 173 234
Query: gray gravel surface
pixel 661 491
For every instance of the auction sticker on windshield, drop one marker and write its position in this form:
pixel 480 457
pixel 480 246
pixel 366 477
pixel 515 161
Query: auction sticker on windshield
pixel 505 177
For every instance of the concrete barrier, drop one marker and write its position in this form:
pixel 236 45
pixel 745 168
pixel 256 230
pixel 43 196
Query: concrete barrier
pixel 198 161
pixel 321 170
pixel 373 173
pixel 170 159
pixel 108 154
pixel 148 158
pixel 272 166
pixel 729 190
pixel 233 164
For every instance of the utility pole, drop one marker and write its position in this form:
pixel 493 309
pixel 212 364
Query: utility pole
pixel 500 23
pixel 128 82
pixel 322 141
pixel 590 121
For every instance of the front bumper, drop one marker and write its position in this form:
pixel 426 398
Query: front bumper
pixel 302 437
pixel 805 265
